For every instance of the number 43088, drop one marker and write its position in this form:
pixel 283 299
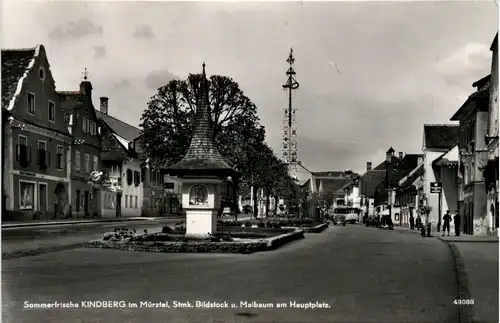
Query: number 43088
pixel 463 302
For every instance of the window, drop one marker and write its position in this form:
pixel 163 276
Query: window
pixel 85 125
pixel 93 129
pixel 60 157
pixel 95 163
pixel 42 145
pixel 137 178
pixel 87 162
pixel 31 103
pixel 77 160
pixel 126 200
pixel 42 154
pixel 52 111
pixel 26 195
pixel 131 205
pixel 23 153
pixel 135 202
pixel 41 73
pixel 129 177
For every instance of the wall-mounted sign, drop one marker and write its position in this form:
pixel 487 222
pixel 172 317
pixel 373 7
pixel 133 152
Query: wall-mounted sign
pixel 436 187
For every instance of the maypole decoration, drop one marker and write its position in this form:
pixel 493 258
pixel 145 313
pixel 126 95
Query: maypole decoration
pixel 289 145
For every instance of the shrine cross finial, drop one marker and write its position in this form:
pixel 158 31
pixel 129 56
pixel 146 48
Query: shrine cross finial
pixel 203 68
pixel 85 74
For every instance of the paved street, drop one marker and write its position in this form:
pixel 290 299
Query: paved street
pixel 364 274
pixel 23 238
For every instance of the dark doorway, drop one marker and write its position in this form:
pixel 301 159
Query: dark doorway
pixel 86 203
pixel 42 197
pixel 118 205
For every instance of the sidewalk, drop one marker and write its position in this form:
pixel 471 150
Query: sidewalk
pixel 480 277
pixel 19 224
pixel 476 259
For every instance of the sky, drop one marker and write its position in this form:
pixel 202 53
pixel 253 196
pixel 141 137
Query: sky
pixel 370 73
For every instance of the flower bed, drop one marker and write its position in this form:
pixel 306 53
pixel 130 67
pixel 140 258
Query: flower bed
pixel 161 242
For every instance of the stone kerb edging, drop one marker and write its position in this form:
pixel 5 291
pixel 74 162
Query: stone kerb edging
pixel 245 247
pixel 465 312
pixel 317 229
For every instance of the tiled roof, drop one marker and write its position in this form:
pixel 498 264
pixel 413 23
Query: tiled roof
pixel 494 44
pixel 203 154
pixel 330 173
pixel 483 81
pixel 119 127
pixel 466 108
pixel 332 185
pixel 411 179
pixel 370 180
pixel 15 65
pixel 441 136
pixel 407 164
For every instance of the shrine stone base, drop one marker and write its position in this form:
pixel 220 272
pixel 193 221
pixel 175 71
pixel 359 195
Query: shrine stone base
pixel 201 222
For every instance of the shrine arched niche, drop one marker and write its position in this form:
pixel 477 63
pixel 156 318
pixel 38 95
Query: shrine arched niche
pixel 198 195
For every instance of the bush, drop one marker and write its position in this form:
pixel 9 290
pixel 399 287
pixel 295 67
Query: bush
pixel 167 229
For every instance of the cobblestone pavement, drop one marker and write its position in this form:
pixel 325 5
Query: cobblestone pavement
pixel 363 274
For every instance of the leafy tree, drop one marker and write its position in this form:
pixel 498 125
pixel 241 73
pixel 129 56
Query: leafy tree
pixel 167 130
pixel 167 122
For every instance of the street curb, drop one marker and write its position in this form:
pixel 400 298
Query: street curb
pixel 29 225
pixel 465 312
pixel 469 241
pixel 40 251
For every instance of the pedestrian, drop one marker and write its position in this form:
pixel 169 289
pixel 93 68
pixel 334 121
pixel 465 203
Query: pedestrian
pixel 456 222
pixel 446 222
pixel 419 222
pixel 412 222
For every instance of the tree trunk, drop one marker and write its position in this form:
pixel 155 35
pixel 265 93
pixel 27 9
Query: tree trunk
pixel 276 206
pixel 267 203
pixel 234 205
pixel 255 202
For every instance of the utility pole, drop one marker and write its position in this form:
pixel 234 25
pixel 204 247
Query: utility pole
pixel 289 126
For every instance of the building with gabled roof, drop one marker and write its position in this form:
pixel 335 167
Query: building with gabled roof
pixel 78 110
pixel 491 172
pixel 140 189
pixel 437 139
pixel 36 139
pixel 473 119
pixel 121 161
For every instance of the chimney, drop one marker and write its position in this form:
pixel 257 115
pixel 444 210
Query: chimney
pixel 368 166
pixel 401 155
pixel 86 89
pixel 104 104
